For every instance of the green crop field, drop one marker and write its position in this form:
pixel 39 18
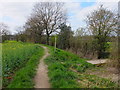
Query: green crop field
pixel 17 55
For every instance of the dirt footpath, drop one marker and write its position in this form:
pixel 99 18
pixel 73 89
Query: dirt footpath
pixel 41 79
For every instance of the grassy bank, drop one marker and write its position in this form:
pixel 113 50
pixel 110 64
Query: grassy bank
pixel 19 63
pixel 66 70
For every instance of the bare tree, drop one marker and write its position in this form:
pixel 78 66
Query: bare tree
pixel 34 29
pixel 4 29
pixel 102 23
pixel 20 34
pixel 4 32
pixel 48 16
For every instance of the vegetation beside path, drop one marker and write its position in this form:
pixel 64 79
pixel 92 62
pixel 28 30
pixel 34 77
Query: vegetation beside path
pixel 20 61
pixel 66 70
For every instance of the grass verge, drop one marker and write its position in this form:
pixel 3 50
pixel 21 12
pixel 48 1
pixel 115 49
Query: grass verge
pixel 66 70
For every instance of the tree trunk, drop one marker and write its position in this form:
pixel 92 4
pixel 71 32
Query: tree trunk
pixel 47 39
pixel 99 54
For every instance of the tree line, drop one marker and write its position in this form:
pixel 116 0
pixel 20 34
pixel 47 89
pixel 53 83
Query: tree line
pixel 49 21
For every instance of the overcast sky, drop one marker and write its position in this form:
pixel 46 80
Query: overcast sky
pixel 14 13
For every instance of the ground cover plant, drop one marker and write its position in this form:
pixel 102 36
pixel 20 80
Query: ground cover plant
pixel 19 61
pixel 66 70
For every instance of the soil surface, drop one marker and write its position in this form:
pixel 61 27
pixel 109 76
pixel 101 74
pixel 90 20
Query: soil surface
pixel 41 79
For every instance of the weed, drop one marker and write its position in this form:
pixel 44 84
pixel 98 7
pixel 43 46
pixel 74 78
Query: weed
pixel 61 65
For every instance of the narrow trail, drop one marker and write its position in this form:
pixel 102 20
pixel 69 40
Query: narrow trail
pixel 41 79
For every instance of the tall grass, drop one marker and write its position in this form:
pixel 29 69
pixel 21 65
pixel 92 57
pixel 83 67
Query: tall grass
pixel 60 65
pixel 66 70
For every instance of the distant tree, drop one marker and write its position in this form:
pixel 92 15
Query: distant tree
pixel 4 31
pixel 20 35
pixel 80 32
pixel 48 16
pixel 33 29
pixel 102 23
pixel 64 36
pixel 79 39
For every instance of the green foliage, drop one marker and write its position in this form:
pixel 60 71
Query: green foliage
pixel 102 46
pixel 66 70
pixel 7 41
pixel 102 23
pixel 64 36
pixel 24 77
pixel 15 55
pixel 52 39
pixel 114 54
pixel 93 81
pixel 59 64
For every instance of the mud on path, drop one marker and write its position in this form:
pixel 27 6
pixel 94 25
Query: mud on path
pixel 41 79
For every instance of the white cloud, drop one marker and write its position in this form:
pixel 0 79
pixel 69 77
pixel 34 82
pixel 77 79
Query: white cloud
pixel 40 0
pixel 72 7
pixel 19 10
pixel 58 0
pixel 78 20
pixel 107 0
